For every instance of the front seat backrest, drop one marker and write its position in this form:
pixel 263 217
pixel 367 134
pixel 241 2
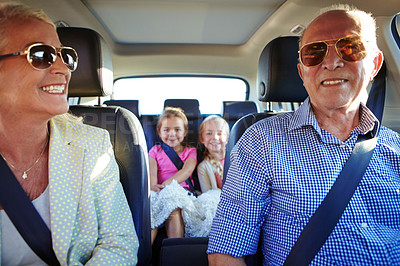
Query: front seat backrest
pixel 234 110
pixel 278 81
pixel 131 105
pixel 94 77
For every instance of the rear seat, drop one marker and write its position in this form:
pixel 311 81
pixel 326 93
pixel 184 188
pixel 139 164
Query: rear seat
pixel 231 112
pixel 192 112
pixel 234 110
pixel 131 105
pixel 149 124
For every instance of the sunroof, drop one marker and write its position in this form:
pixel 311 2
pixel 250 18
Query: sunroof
pixel 187 22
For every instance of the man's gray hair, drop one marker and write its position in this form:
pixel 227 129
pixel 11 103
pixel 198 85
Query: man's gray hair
pixel 366 20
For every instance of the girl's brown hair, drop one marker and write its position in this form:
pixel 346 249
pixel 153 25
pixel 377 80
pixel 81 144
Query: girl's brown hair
pixel 169 112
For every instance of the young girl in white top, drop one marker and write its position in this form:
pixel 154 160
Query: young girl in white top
pixel 214 133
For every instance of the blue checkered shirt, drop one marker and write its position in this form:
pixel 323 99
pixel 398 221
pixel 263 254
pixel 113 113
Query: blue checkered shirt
pixel 281 170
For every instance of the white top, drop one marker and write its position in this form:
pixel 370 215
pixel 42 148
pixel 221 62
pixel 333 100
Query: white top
pixel 14 249
pixel 206 175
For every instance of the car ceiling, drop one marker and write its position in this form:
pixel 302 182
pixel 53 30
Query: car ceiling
pixel 201 36
pixel 221 22
pixel 188 22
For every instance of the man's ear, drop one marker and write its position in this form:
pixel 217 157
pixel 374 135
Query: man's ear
pixel 378 61
pixel 300 70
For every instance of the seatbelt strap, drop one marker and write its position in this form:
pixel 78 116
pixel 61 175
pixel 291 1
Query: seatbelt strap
pixel 176 160
pixel 24 216
pixel 329 212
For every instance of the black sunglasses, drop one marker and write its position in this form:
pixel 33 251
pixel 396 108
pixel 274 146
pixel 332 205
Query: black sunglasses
pixel 350 48
pixel 42 56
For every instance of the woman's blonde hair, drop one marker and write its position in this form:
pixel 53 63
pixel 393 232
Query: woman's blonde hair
pixel 10 11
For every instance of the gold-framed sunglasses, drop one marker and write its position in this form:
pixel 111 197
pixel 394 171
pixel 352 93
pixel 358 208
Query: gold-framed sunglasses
pixel 42 56
pixel 350 48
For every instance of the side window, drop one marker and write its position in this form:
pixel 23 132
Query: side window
pixel 151 91
pixel 396 29
pixel 392 108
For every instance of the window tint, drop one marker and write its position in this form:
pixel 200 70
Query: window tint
pixel 152 91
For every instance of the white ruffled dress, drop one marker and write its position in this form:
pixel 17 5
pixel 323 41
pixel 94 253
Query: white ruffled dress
pixel 197 213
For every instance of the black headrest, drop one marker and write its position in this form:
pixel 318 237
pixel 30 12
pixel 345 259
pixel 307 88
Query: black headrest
pixel 94 75
pixel 277 76
pixel 189 106
pixel 236 109
pixel 131 105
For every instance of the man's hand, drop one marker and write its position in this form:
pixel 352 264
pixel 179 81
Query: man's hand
pixel 218 259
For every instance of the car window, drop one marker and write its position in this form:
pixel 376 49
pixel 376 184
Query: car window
pixel 152 91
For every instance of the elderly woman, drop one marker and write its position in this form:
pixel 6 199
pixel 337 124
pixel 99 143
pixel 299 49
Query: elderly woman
pixel 66 170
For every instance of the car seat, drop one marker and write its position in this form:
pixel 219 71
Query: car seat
pixel 278 81
pixel 131 105
pixel 234 110
pixel 94 77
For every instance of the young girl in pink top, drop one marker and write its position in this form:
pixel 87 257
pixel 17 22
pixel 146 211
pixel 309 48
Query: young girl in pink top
pixel 172 127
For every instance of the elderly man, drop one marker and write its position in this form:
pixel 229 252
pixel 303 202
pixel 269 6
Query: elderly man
pixel 283 166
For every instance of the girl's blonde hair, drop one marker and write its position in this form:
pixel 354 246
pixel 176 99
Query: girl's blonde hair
pixel 225 129
pixel 169 112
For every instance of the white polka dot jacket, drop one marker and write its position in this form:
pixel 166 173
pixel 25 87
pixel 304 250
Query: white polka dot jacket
pixel 90 220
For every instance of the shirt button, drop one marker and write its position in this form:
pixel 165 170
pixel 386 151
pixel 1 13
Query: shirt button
pixel 364 225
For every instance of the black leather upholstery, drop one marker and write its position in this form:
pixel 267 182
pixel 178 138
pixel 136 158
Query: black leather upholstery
pixel 278 81
pixel 277 76
pixel 149 124
pixel 188 251
pixel 234 110
pixel 94 75
pixel 131 105
pixel 92 79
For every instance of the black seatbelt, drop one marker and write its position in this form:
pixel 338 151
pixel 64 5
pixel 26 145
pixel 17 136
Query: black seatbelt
pixel 24 216
pixel 325 218
pixel 327 215
pixel 176 160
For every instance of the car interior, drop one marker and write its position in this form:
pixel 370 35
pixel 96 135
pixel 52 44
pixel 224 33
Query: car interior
pixel 252 40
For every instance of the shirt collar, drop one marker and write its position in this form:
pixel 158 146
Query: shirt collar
pixel 304 117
